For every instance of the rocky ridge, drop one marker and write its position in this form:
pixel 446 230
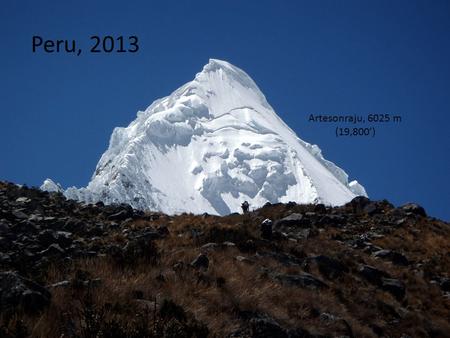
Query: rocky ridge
pixel 366 269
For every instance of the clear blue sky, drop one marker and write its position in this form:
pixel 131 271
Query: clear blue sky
pixel 58 111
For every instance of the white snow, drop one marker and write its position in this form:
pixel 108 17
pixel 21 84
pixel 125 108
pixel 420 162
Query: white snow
pixel 51 186
pixel 207 147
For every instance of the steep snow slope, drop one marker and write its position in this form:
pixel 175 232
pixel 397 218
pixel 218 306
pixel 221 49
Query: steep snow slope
pixel 207 147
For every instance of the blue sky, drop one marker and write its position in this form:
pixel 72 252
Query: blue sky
pixel 357 57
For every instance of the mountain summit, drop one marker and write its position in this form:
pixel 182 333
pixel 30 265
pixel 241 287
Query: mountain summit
pixel 207 147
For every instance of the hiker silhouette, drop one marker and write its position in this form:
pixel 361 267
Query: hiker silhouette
pixel 245 206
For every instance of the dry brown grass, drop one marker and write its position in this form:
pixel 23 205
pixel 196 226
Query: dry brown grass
pixel 220 296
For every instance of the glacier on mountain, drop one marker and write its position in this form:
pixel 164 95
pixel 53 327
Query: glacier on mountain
pixel 207 147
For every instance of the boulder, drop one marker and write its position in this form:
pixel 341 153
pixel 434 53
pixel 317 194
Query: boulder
pixel 47 237
pixel 394 287
pixel 73 224
pixel 414 208
pixel 201 262
pixel 329 267
pixel 291 204
pixel 64 238
pixel 244 259
pixel 121 215
pixel 163 231
pixel 320 208
pixel 304 280
pixel 4 228
pixel 266 327
pixel 372 275
pixel 387 310
pixel 5 258
pixel 281 257
pixel 394 257
pixel 292 220
pixel 210 246
pixel 358 203
pixel 332 220
pixel 16 290
pixel 266 205
pixel 19 214
pixel 266 229
pixel 23 200
pixel 52 250
pixel 135 250
pixel 445 284
pixel 372 209
pixel 149 234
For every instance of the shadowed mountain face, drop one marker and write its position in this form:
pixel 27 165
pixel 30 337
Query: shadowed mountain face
pixel 207 147
pixel 364 269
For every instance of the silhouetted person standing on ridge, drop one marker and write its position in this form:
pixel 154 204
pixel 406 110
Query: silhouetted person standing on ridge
pixel 245 207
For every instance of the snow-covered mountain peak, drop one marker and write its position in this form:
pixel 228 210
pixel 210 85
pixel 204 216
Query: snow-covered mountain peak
pixel 207 147
pixel 222 71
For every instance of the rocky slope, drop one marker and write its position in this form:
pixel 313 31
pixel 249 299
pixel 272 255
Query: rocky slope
pixel 365 269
